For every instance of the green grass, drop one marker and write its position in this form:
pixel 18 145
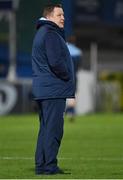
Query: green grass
pixel 92 147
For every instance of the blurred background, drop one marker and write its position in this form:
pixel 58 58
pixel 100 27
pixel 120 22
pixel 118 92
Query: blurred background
pixel 95 29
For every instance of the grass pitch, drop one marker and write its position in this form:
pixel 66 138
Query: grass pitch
pixel 92 147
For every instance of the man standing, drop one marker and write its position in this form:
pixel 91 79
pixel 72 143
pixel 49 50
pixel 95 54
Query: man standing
pixel 53 82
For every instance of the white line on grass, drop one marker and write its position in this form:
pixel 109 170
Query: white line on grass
pixel 66 158
pixel 16 158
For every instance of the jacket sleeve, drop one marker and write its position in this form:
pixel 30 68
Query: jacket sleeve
pixel 55 55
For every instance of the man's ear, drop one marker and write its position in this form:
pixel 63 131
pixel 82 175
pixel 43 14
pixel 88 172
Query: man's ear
pixel 48 17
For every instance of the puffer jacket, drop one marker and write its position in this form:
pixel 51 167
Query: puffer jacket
pixel 53 75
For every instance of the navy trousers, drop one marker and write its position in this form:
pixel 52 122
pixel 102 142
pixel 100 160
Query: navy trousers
pixel 51 112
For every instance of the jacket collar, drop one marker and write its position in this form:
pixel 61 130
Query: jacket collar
pixel 51 25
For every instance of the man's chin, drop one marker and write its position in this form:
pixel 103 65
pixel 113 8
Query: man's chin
pixel 62 26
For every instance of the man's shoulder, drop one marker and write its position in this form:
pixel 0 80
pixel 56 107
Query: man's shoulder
pixel 51 33
pixel 47 30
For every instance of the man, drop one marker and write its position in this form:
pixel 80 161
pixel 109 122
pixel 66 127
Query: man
pixel 53 82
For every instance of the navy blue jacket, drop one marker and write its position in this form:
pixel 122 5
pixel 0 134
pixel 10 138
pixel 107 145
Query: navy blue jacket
pixel 53 75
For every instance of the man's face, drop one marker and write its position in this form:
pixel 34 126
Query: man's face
pixel 57 16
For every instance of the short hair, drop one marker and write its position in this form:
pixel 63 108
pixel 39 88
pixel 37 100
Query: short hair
pixel 48 9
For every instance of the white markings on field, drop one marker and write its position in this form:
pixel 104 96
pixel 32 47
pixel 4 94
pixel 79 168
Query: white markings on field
pixel 16 158
pixel 66 158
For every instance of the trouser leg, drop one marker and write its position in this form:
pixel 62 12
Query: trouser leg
pixel 53 115
pixel 50 134
pixel 39 154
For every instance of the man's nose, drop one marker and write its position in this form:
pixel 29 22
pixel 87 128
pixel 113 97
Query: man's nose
pixel 63 18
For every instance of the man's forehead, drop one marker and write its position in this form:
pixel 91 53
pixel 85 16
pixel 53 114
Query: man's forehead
pixel 58 9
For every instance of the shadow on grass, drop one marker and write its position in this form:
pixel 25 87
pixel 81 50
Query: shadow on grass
pixel 65 172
